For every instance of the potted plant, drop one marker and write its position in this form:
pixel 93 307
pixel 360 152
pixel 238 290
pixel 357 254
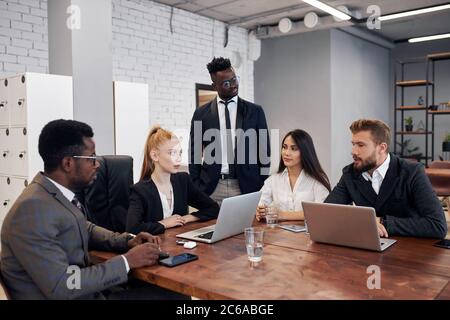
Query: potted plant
pixel 446 144
pixel 408 123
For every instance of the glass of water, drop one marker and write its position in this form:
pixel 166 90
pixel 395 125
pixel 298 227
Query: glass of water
pixel 272 215
pixel 254 240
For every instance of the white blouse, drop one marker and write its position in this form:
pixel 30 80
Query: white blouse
pixel 167 208
pixel 277 189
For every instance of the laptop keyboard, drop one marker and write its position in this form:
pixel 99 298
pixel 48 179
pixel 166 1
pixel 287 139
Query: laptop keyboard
pixel 207 235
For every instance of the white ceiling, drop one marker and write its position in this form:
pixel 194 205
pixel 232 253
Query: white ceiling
pixel 252 13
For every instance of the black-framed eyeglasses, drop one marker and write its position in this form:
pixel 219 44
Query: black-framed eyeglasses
pixel 93 158
pixel 228 83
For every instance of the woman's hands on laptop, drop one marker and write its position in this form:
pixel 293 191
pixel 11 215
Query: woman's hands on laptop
pixel 382 232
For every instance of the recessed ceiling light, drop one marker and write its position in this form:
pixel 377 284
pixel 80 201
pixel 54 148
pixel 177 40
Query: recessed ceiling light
pixel 413 12
pixel 328 9
pixel 285 25
pixel 429 38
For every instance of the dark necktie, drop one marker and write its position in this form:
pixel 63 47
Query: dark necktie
pixel 83 210
pixel 80 206
pixel 230 149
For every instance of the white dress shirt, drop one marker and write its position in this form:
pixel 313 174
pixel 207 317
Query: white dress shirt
pixel 378 175
pixel 167 208
pixel 277 188
pixel 232 109
pixel 70 195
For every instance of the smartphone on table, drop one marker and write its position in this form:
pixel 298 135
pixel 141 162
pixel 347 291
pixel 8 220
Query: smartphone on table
pixel 177 260
pixel 292 227
pixel 445 243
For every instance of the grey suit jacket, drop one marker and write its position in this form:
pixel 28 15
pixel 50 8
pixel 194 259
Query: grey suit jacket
pixel 43 235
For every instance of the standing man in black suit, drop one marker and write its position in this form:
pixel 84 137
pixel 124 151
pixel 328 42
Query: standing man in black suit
pixel 229 140
pixel 399 190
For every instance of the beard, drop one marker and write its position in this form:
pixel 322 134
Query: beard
pixel 81 182
pixel 366 165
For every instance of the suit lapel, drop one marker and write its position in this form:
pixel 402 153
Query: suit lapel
pixel 79 217
pixel 365 187
pixel 177 190
pixel 215 122
pixel 390 181
pixel 239 124
pixel 159 207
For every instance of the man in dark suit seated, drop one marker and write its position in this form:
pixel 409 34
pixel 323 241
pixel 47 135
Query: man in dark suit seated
pixel 229 140
pixel 45 236
pixel 399 190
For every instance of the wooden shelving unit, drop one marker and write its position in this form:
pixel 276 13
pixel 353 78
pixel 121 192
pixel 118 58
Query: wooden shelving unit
pixel 413 132
pixel 413 83
pixel 401 84
pixel 431 68
pixel 410 108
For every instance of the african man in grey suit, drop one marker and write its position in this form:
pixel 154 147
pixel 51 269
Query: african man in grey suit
pixel 45 236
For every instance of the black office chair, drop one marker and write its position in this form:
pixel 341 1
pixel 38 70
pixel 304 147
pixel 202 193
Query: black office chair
pixel 107 199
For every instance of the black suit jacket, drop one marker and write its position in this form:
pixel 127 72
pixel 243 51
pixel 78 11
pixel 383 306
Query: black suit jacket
pixel 406 200
pixel 252 173
pixel 146 210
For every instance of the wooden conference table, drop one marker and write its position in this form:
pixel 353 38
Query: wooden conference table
pixel 294 267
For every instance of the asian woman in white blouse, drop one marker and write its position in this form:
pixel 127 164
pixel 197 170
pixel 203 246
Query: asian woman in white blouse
pixel 300 178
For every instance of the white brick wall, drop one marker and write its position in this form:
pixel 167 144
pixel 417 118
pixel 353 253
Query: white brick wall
pixel 145 51
pixel 23 36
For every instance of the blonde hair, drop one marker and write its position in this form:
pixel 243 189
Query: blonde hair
pixel 155 138
pixel 379 130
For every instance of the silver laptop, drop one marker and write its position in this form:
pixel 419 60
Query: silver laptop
pixel 344 225
pixel 236 214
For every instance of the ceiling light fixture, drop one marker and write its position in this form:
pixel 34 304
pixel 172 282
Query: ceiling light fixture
pixel 413 12
pixel 285 25
pixel 328 9
pixel 429 38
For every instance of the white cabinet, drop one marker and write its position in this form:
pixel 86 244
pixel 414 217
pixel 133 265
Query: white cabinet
pixel 27 102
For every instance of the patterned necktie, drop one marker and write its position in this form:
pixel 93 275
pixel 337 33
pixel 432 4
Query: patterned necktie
pixel 78 204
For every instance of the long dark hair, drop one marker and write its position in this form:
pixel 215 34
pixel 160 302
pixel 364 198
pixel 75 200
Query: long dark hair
pixel 308 157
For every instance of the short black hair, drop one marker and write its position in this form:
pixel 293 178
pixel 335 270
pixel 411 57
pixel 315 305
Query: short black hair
pixel 218 64
pixel 62 138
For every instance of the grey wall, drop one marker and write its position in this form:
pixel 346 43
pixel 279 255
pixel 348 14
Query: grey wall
pixel 88 58
pixel 292 83
pixel 417 72
pixel 60 38
pixel 359 89
pixel 320 82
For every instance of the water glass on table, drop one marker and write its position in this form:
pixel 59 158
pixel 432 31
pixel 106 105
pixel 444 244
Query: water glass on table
pixel 272 215
pixel 254 240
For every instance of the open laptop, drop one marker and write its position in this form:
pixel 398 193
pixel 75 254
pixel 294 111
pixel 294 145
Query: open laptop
pixel 344 225
pixel 236 214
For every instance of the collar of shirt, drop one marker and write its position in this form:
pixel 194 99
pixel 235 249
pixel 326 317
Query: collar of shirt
pixel 285 175
pixel 234 99
pixel 66 192
pixel 380 171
